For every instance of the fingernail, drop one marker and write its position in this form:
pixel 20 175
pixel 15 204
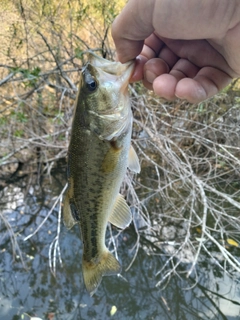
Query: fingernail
pixel 150 76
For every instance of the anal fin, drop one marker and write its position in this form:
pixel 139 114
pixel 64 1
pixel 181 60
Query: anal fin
pixel 68 219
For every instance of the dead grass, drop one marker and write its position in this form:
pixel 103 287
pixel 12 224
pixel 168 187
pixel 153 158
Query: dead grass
pixel 188 193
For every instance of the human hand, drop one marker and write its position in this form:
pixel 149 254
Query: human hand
pixel 188 49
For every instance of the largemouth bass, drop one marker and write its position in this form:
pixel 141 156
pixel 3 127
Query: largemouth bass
pixel 99 153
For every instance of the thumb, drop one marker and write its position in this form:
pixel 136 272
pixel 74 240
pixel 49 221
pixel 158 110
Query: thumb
pixel 132 27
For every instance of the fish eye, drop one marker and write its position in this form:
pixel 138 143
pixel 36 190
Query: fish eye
pixel 92 85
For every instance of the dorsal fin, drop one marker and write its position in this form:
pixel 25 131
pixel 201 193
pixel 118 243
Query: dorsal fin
pixel 133 161
pixel 121 215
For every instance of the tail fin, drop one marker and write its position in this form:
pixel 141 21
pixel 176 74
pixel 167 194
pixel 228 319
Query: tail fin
pixel 93 273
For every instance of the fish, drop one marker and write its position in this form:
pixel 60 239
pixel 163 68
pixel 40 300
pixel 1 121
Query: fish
pixel 99 154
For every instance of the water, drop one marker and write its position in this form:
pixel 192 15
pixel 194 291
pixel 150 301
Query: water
pixel 28 288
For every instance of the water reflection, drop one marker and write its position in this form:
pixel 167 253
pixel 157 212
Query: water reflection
pixel 28 287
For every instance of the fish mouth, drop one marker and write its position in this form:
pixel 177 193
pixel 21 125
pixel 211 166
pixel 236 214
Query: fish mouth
pixel 119 71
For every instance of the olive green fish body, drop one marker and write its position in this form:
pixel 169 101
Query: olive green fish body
pixel 98 158
pixel 100 166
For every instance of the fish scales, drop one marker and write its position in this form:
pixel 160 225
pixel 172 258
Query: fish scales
pixel 99 199
pixel 98 157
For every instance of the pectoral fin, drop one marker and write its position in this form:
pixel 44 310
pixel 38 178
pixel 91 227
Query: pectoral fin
pixel 133 161
pixel 67 213
pixel 121 215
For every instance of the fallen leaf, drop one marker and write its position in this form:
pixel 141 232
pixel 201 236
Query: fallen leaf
pixel 199 230
pixel 232 242
pixel 113 311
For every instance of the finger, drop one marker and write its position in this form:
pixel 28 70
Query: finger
pixel 138 69
pixel 150 50
pixel 168 56
pixel 154 43
pixel 184 69
pixel 204 85
pixel 153 68
pixel 157 67
pixel 125 55
pixel 131 28
pixel 207 82
pixel 199 52
pixel 165 86
pixel 155 47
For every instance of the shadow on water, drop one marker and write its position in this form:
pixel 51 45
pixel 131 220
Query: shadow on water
pixel 27 286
